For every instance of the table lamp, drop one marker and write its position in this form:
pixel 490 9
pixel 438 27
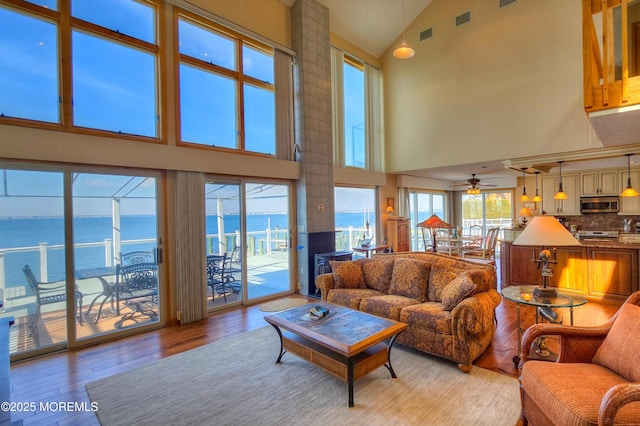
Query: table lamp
pixel 545 231
pixel 525 214
pixel 433 223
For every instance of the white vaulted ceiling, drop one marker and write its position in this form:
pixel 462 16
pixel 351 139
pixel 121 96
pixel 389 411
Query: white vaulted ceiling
pixel 372 25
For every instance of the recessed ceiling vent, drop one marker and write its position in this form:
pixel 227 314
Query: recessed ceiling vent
pixel 426 34
pixel 505 3
pixel 463 18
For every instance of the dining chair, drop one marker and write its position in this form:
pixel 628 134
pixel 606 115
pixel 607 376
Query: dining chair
pixel 46 294
pixel 443 245
pixel 487 249
pixel 215 279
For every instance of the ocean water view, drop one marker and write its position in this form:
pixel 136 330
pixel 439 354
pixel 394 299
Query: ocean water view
pixel 20 238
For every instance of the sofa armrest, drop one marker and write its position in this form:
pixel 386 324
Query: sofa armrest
pixel 616 398
pixel 577 344
pixel 476 313
pixel 325 283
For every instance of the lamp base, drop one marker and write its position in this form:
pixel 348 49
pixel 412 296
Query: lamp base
pixel 544 292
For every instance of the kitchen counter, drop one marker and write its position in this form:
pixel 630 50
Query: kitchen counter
pixel 597 270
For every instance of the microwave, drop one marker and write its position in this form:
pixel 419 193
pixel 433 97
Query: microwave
pixel 599 204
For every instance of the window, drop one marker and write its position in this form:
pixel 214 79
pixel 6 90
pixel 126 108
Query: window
pixel 422 205
pixel 29 68
pixel 356 89
pixel 354 131
pixel 355 216
pixel 112 72
pixel 489 209
pixel 227 91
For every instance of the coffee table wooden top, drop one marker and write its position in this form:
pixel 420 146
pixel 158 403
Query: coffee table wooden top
pixel 345 331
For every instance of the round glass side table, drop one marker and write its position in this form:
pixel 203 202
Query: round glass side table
pixel 523 295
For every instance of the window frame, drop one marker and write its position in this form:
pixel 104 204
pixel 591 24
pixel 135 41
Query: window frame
pixel 238 75
pixel 65 25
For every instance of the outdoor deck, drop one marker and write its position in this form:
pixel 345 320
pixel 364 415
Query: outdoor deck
pixel 266 275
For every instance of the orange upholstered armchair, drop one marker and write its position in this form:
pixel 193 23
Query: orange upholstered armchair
pixel 596 378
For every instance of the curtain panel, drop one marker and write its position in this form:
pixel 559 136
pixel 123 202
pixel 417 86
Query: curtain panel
pixel 190 249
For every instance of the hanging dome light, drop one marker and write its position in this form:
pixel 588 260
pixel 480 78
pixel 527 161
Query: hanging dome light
pixel 537 198
pixel 629 191
pixel 524 196
pixel 560 195
pixel 404 51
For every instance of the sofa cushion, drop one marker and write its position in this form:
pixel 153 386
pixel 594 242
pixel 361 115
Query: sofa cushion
pixel 441 275
pixel 410 278
pixel 428 315
pixel 619 350
pixel 570 393
pixel 350 297
pixel 378 273
pixel 347 274
pixel 458 289
pixel 388 305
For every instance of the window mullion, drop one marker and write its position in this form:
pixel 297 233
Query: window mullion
pixel 240 93
pixel 65 64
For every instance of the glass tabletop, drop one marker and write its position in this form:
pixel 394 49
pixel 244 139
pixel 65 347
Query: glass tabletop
pixel 524 294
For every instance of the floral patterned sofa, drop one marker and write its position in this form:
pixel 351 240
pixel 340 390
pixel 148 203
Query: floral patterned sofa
pixel 448 303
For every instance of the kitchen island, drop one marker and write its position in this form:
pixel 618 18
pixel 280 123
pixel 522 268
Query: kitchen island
pixel 597 270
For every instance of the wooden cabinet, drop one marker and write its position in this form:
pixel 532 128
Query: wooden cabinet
pixel 613 272
pixel 595 272
pixel 599 183
pixel 571 272
pixel 630 205
pixel 570 185
pixel 398 233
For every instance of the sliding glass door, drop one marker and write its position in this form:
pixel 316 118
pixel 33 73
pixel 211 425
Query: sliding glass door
pixel 268 239
pixel 247 240
pixel 224 243
pixel 66 237
pixel 115 233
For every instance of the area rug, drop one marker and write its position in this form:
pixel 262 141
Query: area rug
pixel 235 381
pixel 282 304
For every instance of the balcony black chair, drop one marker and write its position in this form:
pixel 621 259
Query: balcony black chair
pixel 46 294
pixel 134 284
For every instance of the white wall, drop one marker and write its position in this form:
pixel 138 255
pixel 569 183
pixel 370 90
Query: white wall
pixel 506 85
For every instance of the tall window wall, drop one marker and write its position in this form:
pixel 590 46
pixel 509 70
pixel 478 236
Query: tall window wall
pixel 97 67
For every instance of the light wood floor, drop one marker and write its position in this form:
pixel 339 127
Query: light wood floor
pixel 61 377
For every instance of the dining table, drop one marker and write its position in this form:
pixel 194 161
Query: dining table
pixel 370 248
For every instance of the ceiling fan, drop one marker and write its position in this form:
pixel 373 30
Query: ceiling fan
pixel 473 185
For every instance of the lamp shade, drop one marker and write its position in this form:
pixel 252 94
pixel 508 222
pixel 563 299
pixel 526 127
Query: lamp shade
pixel 545 231
pixel 434 222
pixel 525 212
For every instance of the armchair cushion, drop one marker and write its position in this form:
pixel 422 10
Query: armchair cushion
pixel 571 394
pixel 619 350
pixel 347 274
pixel 456 291
pixel 410 278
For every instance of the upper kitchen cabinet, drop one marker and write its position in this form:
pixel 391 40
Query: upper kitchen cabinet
pixel 630 205
pixel 570 185
pixel 599 183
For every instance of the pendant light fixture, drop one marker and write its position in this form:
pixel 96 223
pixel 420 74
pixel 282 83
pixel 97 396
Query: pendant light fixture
pixel 524 196
pixel 404 51
pixel 537 198
pixel 560 195
pixel 629 191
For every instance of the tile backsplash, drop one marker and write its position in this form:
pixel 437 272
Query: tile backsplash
pixel 600 222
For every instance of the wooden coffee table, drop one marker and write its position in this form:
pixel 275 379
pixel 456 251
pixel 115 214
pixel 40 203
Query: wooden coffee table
pixel 348 344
